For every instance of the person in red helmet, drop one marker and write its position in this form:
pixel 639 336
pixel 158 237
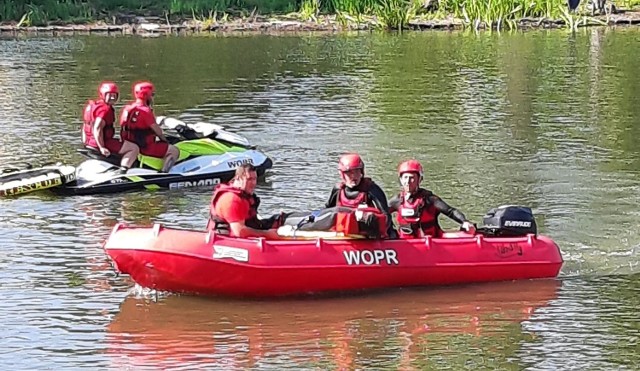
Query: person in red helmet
pixel 418 209
pixel 138 124
pixel 355 190
pixel 97 130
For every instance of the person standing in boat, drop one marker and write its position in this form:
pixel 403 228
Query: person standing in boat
pixel 138 124
pixel 234 208
pixel 97 130
pixel 356 190
pixel 418 208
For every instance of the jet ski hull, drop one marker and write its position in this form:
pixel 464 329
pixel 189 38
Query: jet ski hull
pixel 153 181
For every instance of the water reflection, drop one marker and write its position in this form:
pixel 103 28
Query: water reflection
pixel 397 329
pixel 591 323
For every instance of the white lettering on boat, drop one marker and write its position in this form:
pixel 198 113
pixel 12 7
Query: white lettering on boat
pixel 199 183
pixel 515 223
pixel 222 252
pixel 371 257
pixel 235 163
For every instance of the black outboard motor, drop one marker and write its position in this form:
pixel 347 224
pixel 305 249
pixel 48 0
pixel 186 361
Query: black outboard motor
pixel 509 221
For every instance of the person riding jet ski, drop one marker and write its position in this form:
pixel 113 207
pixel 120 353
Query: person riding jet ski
pixel 138 125
pixel 97 130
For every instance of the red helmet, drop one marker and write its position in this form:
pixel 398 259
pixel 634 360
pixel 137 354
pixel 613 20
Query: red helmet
pixel 350 161
pixel 410 166
pixel 143 90
pixel 107 87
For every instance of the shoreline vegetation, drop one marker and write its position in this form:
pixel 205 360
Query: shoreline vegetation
pixel 156 17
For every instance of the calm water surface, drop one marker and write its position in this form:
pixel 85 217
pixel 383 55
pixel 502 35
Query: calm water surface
pixel 544 119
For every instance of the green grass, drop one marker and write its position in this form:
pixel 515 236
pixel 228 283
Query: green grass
pixel 41 12
pixel 628 4
pixel 500 14
pixel 396 14
pixel 309 10
pixel 391 14
pixel 352 7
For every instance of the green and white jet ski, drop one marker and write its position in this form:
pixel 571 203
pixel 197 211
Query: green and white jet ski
pixel 209 155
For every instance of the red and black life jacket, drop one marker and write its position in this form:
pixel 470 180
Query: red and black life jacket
pixel 220 225
pixel 418 213
pixel 362 198
pixel 133 128
pixel 89 118
pixel 366 221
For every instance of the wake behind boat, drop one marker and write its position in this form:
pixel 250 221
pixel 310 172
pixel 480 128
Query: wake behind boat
pixel 209 155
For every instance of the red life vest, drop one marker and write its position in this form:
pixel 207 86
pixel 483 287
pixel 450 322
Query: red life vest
pixel 134 126
pixel 418 214
pixel 366 221
pixel 362 198
pixel 89 118
pixel 220 225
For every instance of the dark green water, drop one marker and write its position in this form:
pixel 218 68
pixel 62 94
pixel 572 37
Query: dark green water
pixel 544 119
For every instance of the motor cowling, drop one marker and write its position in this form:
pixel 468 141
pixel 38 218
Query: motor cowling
pixel 509 221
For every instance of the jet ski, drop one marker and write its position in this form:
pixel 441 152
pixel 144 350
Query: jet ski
pixel 209 155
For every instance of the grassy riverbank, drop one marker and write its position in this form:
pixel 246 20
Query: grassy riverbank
pixel 391 14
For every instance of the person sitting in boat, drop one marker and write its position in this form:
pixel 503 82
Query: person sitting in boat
pixel 356 191
pixel 234 208
pixel 138 124
pixel 418 209
pixel 97 130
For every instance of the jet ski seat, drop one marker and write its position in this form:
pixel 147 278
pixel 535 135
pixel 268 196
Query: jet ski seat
pixel 91 152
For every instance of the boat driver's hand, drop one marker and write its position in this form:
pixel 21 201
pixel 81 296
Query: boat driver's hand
pixel 105 152
pixel 469 227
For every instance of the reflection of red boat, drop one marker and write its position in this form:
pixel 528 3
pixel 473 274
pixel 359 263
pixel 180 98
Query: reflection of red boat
pixel 205 263
pixel 194 332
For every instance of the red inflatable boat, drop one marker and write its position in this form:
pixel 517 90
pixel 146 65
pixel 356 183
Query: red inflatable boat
pixel 200 262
